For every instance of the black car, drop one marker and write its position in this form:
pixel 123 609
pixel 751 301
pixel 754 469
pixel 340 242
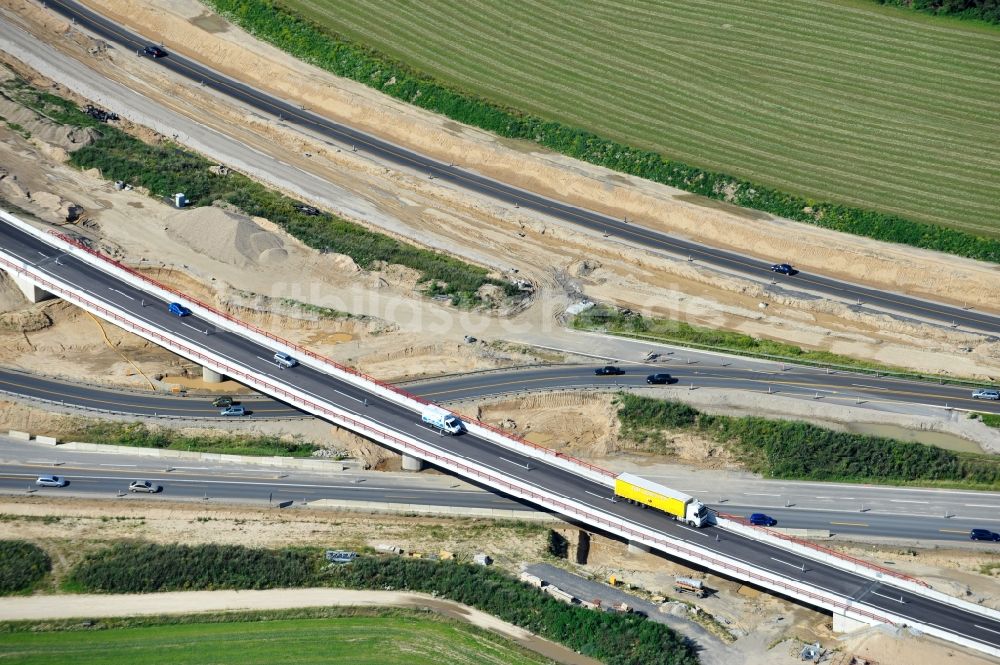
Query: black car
pixel 223 401
pixel 608 370
pixel 983 534
pixel 659 378
pixel 783 268
pixel 154 51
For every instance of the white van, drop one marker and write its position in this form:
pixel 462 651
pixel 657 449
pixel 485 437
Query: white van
pixel 285 360
pixel 443 420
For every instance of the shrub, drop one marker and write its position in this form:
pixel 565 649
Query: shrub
pixel 22 565
pixel 799 450
pixel 148 567
pixel 617 639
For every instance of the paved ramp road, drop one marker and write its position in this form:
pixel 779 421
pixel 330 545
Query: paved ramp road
pixel 293 114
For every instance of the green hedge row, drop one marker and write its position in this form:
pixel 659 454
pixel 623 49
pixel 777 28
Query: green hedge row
pixel 313 43
pixel 22 565
pixel 798 450
pixel 982 10
pixel 148 567
pixel 617 639
pixel 167 168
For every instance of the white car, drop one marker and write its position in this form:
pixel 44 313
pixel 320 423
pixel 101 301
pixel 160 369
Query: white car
pixel 985 393
pixel 143 486
pixel 51 481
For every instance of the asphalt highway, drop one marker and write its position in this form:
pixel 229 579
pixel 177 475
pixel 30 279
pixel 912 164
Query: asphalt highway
pixel 257 358
pixel 292 114
pixel 805 382
pixel 104 476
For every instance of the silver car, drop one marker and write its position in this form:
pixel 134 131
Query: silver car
pixel 51 481
pixel 985 393
pixel 143 486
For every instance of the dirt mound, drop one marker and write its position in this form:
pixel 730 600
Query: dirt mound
pixel 228 237
pixel 44 131
pixel 11 298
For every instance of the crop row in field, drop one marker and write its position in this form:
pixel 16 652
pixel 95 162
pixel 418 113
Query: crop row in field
pixel 852 116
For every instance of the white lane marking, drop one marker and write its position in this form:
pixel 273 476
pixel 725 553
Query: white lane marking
pixel 979 505
pixel 360 401
pixel 510 461
pixel 861 385
pixel 201 330
pixel 119 465
pixel 606 498
pixel 786 563
pixel 985 628
pixel 692 530
pixel 759 494
pixel 43 255
pixel 906 501
pixel 122 293
pixel 893 598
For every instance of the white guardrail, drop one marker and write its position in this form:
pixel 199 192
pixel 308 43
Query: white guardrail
pixel 412 446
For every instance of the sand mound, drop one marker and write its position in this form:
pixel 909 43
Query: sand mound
pixel 67 138
pixel 228 237
pixel 11 298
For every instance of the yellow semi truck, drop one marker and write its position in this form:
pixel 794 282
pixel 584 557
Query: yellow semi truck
pixel 678 505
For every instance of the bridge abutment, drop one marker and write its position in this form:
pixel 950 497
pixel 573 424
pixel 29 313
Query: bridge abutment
pixel 635 547
pixel 32 292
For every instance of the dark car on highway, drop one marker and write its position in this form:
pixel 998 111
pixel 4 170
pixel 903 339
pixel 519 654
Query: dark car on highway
pixel 760 519
pixel 223 401
pixel 154 51
pixel 659 379
pixel 783 268
pixel 983 534
pixel 608 370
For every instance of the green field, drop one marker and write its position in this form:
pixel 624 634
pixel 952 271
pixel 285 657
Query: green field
pixel 414 640
pixel 839 100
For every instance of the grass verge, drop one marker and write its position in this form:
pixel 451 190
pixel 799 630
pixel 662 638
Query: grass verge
pixel 620 89
pixel 799 451
pixel 362 636
pixel 140 435
pixel 166 168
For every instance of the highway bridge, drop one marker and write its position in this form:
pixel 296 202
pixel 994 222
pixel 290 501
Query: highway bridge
pixel 578 491
pixel 857 295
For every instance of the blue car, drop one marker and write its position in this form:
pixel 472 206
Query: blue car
pixel 178 309
pixel 760 519
pixel 783 269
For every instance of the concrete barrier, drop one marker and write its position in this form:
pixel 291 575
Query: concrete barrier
pixel 804 533
pixel 22 436
pixel 47 440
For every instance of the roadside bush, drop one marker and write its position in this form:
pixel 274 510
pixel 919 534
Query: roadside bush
pixel 617 639
pixel 22 565
pixel 798 450
pixel 147 567
pixel 316 45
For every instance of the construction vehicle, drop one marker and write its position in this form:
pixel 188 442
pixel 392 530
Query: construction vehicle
pixel 646 493
pixel 688 585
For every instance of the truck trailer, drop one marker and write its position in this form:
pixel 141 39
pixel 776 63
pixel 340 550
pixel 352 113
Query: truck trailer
pixel 441 419
pixel 678 505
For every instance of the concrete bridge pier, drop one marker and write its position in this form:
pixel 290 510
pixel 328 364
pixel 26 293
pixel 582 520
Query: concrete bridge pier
pixel 411 463
pixel 635 547
pixel 28 288
pixel 211 376
pixel 842 624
